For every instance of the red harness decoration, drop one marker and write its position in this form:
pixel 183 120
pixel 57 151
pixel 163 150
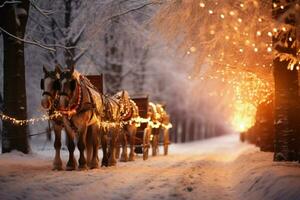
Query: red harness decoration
pixel 73 109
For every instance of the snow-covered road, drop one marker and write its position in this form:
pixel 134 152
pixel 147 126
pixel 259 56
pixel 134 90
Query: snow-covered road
pixel 220 168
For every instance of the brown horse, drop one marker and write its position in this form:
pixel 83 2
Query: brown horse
pixel 165 125
pixel 85 110
pixel 76 103
pixel 129 111
pixel 49 101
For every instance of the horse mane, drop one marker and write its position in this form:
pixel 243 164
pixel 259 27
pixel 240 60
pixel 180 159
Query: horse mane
pixel 153 107
pixel 81 78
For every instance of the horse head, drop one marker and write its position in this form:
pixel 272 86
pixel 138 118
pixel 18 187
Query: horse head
pixel 50 86
pixel 68 86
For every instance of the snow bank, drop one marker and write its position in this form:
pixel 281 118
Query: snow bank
pixel 219 168
pixel 257 177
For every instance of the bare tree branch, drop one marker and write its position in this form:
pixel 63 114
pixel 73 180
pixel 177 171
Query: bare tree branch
pixel 77 37
pixel 45 14
pixel 78 56
pixel 42 11
pixel 9 2
pixel 49 47
pixel 132 10
pixel 26 41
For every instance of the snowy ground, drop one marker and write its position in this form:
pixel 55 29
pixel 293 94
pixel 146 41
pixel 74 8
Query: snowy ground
pixel 220 168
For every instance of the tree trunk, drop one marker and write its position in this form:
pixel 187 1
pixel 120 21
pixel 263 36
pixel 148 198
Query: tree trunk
pixel 113 61
pixel 69 53
pixel 286 112
pixel 286 94
pixel 192 130
pixel 13 18
pixel 183 129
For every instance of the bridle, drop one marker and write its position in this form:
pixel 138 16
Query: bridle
pixel 67 76
pixel 55 86
pixel 73 108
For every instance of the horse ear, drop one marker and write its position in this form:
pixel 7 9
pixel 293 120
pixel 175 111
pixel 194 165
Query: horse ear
pixel 58 68
pixel 45 69
pixel 71 68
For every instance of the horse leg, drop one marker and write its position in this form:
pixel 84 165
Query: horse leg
pixel 166 141
pixel 154 141
pixel 89 145
pixel 118 146
pixel 124 157
pixel 71 164
pixel 112 148
pixel 132 131
pixel 57 163
pixel 104 148
pixel 146 142
pixel 81 147
pixel 95 142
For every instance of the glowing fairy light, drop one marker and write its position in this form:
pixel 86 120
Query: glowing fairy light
pixel 233 26
pixel 193 49
pixel 103 124
pixel 269 49
pixel 258 33
pixel 23 122
pixel 270 34
pixel 248 92
pixel 244 116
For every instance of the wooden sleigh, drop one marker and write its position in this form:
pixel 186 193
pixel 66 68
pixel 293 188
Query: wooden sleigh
pixel 97 81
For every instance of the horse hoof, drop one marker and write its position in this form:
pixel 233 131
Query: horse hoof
pixel 70 168
pixel 131 158
pixel 124 158
pixel 94 165
pixel 112 163
pixel 57 168
pixel 57 164
pixel 82 167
